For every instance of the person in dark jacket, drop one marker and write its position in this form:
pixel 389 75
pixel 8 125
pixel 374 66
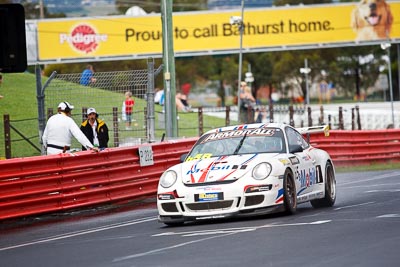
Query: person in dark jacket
pixel 95 129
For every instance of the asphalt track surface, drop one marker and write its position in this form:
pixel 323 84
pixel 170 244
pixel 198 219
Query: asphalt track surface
pixel 362 229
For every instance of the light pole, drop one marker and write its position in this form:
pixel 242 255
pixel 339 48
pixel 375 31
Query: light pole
pixel 386 46
pixel 171 126
pixel 306 70
pixel 234 20
pixel 249 78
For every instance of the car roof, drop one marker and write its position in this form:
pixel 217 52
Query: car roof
pixel 248 126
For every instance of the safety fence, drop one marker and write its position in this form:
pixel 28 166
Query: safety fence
pixel 52 183
pixel 21 139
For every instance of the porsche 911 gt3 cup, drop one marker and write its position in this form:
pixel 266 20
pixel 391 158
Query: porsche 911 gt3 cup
pixel 247 170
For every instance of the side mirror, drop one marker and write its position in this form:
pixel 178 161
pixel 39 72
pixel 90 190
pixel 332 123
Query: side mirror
pixel 295 149
pixel 183 157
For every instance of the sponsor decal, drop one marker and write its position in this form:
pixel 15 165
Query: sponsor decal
pixel 239 133
pixel 83 38
pixel 211 168
pixel 284 161
pixel 199 157
pixel 257 188
pixel 307 177
pixel 209 188
pixel 212 196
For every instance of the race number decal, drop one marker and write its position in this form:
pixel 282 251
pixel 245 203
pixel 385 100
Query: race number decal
pixel 146 156
pixel 199 156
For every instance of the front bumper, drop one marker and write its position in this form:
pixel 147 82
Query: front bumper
pixel 175 219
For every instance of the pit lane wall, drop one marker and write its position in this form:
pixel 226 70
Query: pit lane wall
pixel 43 184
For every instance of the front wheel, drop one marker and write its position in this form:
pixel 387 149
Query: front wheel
pixel 330 189
pixel 289 193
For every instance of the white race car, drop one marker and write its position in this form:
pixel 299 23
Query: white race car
pixel 247 170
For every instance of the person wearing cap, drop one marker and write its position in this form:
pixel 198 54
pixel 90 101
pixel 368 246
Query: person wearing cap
pixel 95 129
pixel 60 129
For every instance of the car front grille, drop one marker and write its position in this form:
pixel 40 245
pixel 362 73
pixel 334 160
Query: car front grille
pixel 215 205
pixel 169 207
pixel 253 200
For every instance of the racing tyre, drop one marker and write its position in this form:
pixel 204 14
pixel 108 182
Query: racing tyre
pixel 330 189
pixel 289 193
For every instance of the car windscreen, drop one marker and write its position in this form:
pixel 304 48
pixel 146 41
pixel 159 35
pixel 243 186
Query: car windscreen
pixel 246 141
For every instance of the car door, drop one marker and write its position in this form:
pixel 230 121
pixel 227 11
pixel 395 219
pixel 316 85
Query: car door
pixel 304 163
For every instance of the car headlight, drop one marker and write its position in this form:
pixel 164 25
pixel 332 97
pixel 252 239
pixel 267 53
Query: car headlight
pixel 262 171
pixel 168 178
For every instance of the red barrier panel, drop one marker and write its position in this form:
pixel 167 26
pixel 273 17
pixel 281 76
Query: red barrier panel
pixel 349 148
pixel 58 182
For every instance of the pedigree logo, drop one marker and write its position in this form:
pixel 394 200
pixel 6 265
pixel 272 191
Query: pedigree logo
pixel 83 38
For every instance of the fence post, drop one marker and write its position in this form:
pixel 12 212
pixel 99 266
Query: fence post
pixel 84 111
pixel 7 135
pixel 352 120
pixel 227 116
pixel 321 117
pixel 309 116
pixel 115 126
pixel 250 115
pixel 40 96
pixel 291 112
pixel 150 113
pixel 329 121
pixel 200 116
pixel 341 124
pixel 358 117
pixel 271 112
pixel 146 122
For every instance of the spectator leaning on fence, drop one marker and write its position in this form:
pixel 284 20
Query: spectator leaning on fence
pixel 95 129
pixel 247 103
pixel 87 76
pixel 59 131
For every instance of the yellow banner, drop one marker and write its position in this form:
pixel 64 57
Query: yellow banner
pixel 194 32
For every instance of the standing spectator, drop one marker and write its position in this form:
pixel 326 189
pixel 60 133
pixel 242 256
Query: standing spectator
pixel 128 108
pixel 95 130
pixel 247 103
pixel 1 81
pixel 59 131
pixel 87 76
pixel 323 91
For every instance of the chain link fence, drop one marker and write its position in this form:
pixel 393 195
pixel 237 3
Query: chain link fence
pixel 106 93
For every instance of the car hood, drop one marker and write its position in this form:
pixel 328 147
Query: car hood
pixel 220 169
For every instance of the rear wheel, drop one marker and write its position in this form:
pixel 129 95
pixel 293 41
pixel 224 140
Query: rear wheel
pixel 330 189
pixel 289 193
